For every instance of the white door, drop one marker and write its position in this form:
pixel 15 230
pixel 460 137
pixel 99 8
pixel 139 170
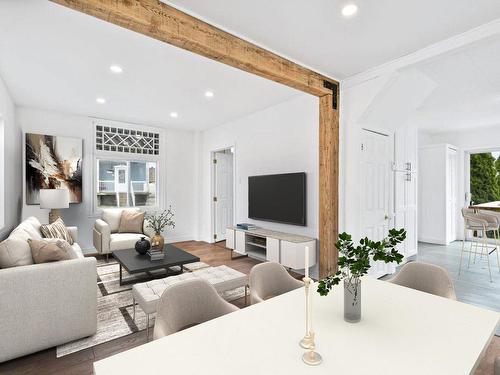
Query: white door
pixel 223 194
pixel 121 185
pixel 376 184
pixel 451 194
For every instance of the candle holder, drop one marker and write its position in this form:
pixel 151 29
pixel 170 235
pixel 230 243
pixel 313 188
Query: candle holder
pixel 307 340
pixel 311 357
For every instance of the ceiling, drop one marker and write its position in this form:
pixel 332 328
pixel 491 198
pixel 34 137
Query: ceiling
pixel 317 35
pixel 467 92
pixel 54 58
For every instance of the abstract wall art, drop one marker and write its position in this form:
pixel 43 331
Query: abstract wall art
pixel 53 162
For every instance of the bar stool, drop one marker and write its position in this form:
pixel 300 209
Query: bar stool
pixel 480 222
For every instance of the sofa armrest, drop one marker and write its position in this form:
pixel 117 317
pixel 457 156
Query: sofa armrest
pixel 73 232
pixel 101 236
pixel 45 305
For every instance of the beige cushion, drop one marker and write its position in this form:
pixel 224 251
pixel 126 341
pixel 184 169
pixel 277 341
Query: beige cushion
pixel 112 216
pixel 44 251
pixel 56 230
pixel 74 251
pixel 30 228
pixel 15 251
pixel 131 222
pixel 123 241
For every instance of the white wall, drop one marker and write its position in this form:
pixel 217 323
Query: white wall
pixel 181 159
pixel 385 103
pixel 280 139
pixel 471 140
pixel 10 165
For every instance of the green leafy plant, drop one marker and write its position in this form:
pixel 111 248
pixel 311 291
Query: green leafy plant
pixel 159 221
pixel 354 261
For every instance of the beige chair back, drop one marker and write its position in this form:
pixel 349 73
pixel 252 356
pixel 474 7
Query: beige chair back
pixel 269 280
pixel 188 303
pixel 427 278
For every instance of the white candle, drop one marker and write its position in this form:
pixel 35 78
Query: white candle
pixel 307 262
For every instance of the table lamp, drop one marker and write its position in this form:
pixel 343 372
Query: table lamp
pixel 54 199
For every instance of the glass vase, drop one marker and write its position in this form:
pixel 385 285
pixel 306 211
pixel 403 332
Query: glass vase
pixel 352 300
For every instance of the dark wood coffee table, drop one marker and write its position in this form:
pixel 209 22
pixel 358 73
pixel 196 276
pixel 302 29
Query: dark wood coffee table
pixel 134 262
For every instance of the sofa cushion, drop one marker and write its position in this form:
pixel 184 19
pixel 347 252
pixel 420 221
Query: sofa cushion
pixel 131 222
pixel 29 228
pixel 15 251
pixel 56 230
pixel 112 216
pixel 74 251
pixel 122 241
pixel 44 251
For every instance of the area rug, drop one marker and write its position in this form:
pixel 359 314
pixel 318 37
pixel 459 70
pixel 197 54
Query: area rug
pixel 115 311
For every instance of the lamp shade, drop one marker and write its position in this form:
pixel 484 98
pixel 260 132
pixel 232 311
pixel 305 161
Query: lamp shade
pixel 54 198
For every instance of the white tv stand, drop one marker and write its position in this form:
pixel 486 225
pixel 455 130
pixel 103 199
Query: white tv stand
pixel 268 245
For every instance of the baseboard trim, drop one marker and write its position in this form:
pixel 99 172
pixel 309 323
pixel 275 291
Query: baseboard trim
pixel 435 241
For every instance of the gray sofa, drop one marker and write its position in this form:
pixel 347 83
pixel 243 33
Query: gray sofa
pixel 43 305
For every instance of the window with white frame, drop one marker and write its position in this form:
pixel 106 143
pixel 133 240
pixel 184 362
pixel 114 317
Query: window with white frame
pixel 126 167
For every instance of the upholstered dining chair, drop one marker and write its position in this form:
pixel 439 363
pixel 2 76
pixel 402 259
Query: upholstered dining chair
pixel 186 304
pixel 481 223
pixel 269 280
pixel 427 278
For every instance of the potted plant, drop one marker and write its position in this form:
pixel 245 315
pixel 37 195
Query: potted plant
pixel 354 262
pixel 158 222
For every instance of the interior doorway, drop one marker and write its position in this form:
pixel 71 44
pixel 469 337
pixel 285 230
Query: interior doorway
pixel 223 192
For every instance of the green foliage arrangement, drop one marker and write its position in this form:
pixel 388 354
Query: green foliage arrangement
pixel 354 261
pixel 484 178
pixel 159 221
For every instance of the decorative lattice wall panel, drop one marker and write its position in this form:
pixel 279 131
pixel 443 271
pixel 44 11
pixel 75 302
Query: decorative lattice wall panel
pixel 111 138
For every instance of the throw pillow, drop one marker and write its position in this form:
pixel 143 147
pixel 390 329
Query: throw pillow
pixel 47 251
pixel 14 252
pixel 56 230
pixel 131 222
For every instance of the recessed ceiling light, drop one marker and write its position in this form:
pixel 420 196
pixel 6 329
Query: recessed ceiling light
pixel 116 69
pixel 174 114
pixel 209 94
pixel 100 100
pixel 349 10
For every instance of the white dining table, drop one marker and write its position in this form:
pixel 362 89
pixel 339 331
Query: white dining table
pixel 402 331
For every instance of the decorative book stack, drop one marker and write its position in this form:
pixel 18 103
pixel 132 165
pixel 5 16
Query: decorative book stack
pixel 246 226
pixel 156 254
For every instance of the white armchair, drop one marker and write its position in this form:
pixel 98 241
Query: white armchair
pixel 106 237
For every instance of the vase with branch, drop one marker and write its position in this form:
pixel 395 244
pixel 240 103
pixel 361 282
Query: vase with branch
pixel 354 262
pixel 158 222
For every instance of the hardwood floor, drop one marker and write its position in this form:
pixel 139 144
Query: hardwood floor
pixel 80 363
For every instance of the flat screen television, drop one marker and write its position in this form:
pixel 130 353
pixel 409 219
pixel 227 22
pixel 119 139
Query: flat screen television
pixel 279 197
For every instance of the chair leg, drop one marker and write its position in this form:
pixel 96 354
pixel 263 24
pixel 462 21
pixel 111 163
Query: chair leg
pixel 462 253
pixel 485 243
pixel 133 301
pixel 147 327
pixel 470 250
pixel 497 248
pixel 246 295
pixel 107 257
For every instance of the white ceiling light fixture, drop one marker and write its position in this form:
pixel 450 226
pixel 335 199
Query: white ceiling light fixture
pixel 117 69
pixel 349 10
pixel 101 100
pixel 209 94
pixel 174 114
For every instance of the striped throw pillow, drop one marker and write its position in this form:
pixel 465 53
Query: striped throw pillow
pixel 56 230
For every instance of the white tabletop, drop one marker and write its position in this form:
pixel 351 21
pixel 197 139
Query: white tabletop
pixel 402 331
